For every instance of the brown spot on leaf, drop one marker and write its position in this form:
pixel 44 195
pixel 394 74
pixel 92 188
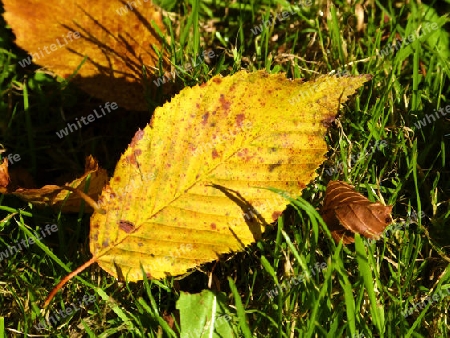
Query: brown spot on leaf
pixel 127 226
pixel 274 165
pixel 275 215
pixel 131 159
pixel 224 102
pixel 328 121
pixel 205 119
pixel 138 136
pixel 240 119
pixel 105 243
pixel 215 154
pixel 213 226
pixel 244 154
pixel 137 152
pixel 301 185
pixel 217 80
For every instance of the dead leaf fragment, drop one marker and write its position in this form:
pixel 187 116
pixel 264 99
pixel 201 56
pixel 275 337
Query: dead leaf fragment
pixel 4 176
pixel 58 196
pixel 347 212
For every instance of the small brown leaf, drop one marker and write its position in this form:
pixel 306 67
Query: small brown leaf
pixel 56 195
pixel 4 176
pixel 347 212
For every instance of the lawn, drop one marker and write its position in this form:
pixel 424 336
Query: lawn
pixel 391 141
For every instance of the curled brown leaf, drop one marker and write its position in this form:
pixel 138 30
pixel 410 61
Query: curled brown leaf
pixel 347 212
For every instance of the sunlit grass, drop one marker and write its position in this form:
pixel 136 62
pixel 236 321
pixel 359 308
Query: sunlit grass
pixel 365 288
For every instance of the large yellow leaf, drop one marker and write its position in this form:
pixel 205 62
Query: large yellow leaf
pixel 190 185
pixel 117 37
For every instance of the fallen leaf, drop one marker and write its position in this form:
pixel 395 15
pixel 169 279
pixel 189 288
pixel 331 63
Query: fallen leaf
pixel 59 197
pixel 4 176
pixel 347 212
pixel 58 35
pixel 192 184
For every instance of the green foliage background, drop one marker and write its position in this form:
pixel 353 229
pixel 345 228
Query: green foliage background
pixel 366 287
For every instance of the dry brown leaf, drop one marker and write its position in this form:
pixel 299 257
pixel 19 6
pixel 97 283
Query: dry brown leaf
pixel 347 212
pixel 4 176
pixel 55 195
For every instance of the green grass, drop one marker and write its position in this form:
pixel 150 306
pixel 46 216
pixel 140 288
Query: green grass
pixel 365 288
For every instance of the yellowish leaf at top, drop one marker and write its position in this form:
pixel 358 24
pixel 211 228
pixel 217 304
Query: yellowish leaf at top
pixel 117 37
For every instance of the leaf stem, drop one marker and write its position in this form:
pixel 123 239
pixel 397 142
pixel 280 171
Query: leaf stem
pixel 86 198
pixel 66 279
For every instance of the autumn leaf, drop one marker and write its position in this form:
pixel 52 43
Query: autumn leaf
pixel 4 176
pixel 192 184
pixel 347 212
pixel 58 35
pixel 66 198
